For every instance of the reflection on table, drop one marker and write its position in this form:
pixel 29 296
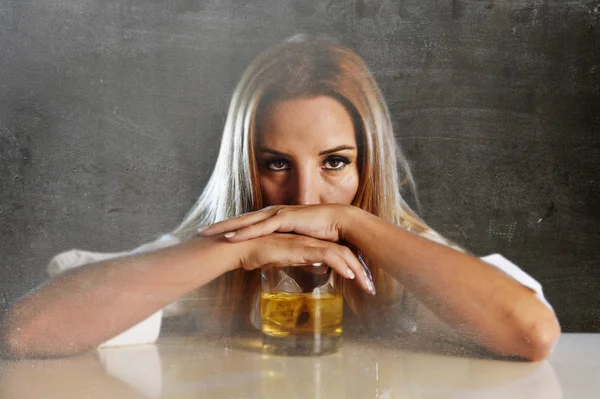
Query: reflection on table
pixel 191 367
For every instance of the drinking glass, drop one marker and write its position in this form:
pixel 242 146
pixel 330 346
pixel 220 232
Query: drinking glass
pixel 301 309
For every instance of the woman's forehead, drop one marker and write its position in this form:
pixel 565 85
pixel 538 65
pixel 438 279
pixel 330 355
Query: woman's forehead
pixel 322 121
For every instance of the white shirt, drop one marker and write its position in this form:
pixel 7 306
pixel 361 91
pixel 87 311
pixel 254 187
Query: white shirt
pixel 147 331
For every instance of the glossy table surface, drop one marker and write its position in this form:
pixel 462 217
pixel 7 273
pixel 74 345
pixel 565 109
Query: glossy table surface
pixel 190 367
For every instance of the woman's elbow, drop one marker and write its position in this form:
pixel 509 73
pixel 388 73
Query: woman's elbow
pixel 541 338
pixel 12 339
pixel 21 339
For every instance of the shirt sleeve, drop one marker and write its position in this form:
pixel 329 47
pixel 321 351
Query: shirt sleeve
pixel 146 331
pixel 500 262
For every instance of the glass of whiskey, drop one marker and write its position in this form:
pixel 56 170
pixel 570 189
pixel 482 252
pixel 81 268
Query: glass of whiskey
pixel 301 308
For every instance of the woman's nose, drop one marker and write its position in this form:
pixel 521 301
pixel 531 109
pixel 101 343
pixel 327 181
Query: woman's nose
pixel 306 191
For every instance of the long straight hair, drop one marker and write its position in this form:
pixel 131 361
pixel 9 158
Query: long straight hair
pixel 305 67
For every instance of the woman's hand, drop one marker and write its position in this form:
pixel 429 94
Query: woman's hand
pixel 297 250
pixel 325 222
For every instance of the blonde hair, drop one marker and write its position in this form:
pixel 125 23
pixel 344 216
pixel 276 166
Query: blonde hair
pixel 305 66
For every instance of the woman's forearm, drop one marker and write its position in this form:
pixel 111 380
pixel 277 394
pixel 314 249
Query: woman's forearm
pixel 479 300
pixel 84 307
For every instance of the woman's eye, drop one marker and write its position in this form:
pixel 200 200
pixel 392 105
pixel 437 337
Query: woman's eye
pixel 336 163
pixel 277 164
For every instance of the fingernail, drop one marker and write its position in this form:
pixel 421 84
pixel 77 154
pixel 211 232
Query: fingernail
pixel 365 267
pixel 350 273
pixel 371 287
pixel 201 229
pixel 230 234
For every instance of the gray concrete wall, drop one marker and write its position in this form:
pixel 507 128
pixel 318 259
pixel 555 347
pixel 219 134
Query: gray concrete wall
pixel 111 111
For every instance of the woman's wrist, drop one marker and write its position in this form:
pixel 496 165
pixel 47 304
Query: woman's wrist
pixel 217 253
pixel 366 231
pixel 351 223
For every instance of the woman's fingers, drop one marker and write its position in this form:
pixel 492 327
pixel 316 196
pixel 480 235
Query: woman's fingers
pixel 240 222
pixel 359 268
pixel 285 250
pixel 341 259
pixel 261 228
pixel 336 261
pixel 316 221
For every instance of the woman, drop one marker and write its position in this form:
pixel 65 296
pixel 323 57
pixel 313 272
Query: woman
pixel 307 148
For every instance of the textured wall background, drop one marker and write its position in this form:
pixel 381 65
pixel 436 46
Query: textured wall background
pixel 111 111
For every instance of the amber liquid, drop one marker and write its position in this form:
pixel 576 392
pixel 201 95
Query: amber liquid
pixel 302 324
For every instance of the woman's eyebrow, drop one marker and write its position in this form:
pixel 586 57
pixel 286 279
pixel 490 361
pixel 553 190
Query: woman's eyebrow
pixel 336 149
pixel 271 151
pixel 329 151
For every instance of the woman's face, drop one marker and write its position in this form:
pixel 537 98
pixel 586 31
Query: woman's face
pixel 307 153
